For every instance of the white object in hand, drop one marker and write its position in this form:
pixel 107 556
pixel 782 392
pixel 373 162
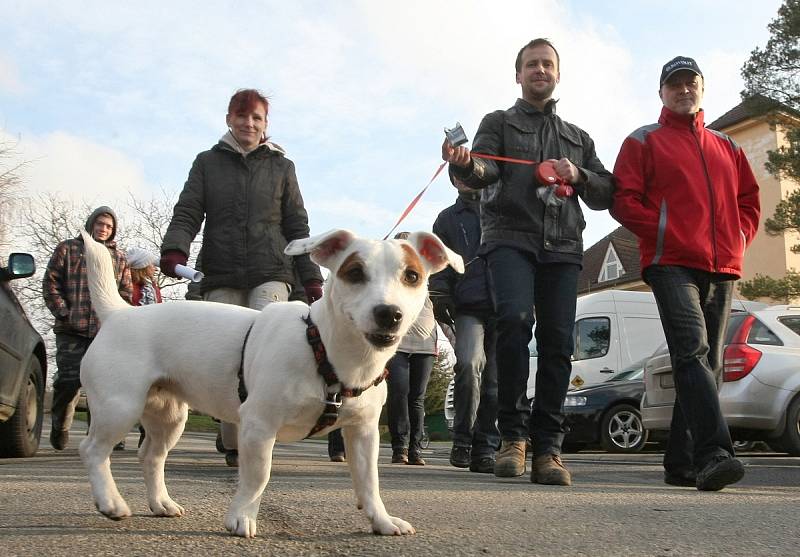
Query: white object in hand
pixel 188 273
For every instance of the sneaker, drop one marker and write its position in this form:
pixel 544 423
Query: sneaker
pixel 59 438
pixel 549 470
pixel 510 460
pixel 120 446
pixel 681 478
pixel 459 457
pixel 720 471
pixel 232 458
pixel 483 465
pixel 399 456
pixel 415 459
pixel 337 457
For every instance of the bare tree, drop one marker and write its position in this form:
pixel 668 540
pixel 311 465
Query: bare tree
pixel 10 188
pixel 48 219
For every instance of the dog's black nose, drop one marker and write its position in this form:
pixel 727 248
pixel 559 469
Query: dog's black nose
pixel 387 316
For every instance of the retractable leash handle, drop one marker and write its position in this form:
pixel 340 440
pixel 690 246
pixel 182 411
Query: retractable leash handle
pixel 547 175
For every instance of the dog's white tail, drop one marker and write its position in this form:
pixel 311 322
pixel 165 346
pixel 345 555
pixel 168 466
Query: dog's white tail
pixel 102 281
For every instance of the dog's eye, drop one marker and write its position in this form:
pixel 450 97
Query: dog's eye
pixel 411 276
pixel 355 274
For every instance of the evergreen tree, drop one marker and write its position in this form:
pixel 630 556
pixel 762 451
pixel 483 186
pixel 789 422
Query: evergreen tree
pixel 772 85
pixel 772 88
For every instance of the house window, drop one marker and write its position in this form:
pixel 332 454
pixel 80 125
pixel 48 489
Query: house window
pixel 612 268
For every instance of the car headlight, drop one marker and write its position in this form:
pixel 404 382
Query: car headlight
pixel 573 400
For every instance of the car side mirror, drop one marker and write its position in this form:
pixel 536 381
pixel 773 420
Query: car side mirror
pixel 20 265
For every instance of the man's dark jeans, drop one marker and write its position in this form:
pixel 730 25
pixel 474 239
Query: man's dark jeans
pixel 519 283
pixel 694 307
pixel 475 386
pixel 408 380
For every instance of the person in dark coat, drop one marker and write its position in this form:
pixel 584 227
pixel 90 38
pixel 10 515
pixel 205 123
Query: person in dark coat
pixel 245 190
pixel 464 303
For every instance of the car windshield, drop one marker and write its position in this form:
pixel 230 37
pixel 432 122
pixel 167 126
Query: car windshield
pixel 630 375
pixel 632 372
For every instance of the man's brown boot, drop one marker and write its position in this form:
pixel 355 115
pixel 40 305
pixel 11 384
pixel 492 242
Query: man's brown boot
pixel 549 470
pixel 510 459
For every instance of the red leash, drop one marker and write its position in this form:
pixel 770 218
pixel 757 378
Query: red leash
pixel 546 175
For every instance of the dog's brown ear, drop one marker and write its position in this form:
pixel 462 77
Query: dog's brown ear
pixel 324 248
pixel 434 254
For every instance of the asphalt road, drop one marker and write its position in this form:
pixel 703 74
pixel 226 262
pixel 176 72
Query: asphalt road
pixel 618 505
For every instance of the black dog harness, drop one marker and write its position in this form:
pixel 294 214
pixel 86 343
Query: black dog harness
pixel 333 399
pixel 242 388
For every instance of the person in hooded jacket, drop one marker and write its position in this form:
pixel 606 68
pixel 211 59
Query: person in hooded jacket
pixel 246 191
pixel 65 289
pixel 464 303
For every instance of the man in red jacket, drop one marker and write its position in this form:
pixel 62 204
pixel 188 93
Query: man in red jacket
pixel 689 194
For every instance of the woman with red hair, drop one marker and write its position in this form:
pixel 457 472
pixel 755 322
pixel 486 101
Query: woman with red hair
pixel 246 191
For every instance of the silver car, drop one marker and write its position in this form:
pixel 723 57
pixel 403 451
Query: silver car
pixel 760 392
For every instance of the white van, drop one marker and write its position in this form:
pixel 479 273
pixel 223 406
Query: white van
pixel 613 329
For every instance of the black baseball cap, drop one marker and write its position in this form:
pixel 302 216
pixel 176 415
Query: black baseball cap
pixel 677 64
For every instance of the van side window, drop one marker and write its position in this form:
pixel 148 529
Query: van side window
pixel 592 337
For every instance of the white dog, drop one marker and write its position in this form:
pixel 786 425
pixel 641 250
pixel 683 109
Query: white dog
pixel 152 363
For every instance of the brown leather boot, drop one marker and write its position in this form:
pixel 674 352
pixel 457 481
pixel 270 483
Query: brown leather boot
pixel 549 470
pixel 400 456
pixel 510 459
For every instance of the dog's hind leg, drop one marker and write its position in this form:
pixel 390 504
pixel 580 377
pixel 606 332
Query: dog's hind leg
pixel 106 429
pixel 256 441
pixel 163 421
pixel 361 446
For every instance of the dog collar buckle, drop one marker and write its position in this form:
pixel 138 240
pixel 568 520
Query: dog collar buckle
pixel 334 399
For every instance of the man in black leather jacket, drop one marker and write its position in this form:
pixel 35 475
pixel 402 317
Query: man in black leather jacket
pixel 533 246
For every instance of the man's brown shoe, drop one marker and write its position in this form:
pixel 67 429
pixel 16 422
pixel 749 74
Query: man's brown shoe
pixel 510 459
pixel 399 456
pixel 549 470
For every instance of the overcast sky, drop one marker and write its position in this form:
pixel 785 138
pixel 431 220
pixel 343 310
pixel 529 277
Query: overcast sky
pixel 106 98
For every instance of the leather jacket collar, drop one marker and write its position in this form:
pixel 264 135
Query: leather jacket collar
pixel 525 106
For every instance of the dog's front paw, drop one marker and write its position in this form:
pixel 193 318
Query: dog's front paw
pixel 391 526
pixel 115 509
pixel 240 525
pixel 166 507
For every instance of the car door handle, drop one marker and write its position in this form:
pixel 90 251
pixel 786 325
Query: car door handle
pixel 606 370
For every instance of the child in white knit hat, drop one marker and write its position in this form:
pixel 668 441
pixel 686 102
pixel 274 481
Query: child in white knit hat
pixel 142 264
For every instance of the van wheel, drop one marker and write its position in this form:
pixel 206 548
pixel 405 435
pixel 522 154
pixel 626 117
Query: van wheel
pixel 790 440
pixel 622 431
pixel 19 436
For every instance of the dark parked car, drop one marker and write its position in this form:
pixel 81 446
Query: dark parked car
pixel 23 367
pixel 608 413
